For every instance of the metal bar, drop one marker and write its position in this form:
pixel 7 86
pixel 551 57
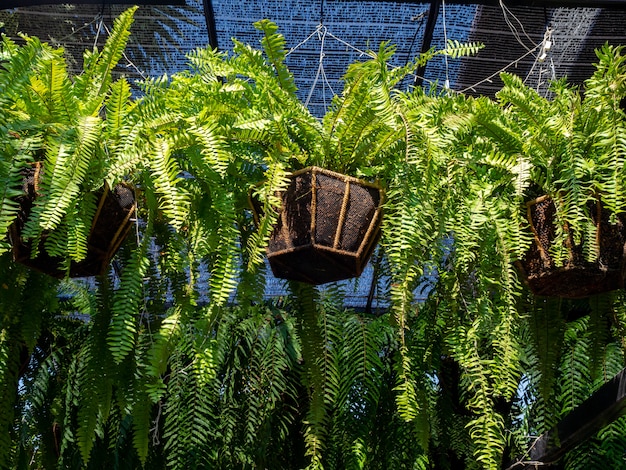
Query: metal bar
pixel 602 408
pixel 209 16
pixel 544 3
pixel 6 4
pixel 619 4
pixel 433 14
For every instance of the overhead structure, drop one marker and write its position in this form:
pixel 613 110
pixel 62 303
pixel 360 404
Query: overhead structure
pixel 326 35
pixel 603 407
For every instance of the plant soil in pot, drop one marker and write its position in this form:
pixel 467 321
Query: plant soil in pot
pixel 327 227
pixel 577 278
pixel 110 225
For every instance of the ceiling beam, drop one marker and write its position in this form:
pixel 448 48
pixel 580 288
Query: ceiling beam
pixel 603 407
pixel 6 4
pixel 209 16
pixel 433 14
pixel 621 4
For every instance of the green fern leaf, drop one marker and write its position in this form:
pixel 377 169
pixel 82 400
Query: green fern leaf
pixel 126 303
pixel 92 87
pixel 274 47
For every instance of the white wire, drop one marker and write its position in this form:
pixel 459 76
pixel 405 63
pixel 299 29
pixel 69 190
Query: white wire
pixel 327 82
pixel 356 49
pixel 100 25
pixel 545 46
pixel 74 31
pixel 445 40
pixel 488 79
pixel 319 27
pixel 322 33
pixel 131 64
pixel 506 12
pixel 320 67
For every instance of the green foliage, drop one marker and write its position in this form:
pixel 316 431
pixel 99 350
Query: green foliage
pixel 50 117
pixel 569 146
pixel 177 359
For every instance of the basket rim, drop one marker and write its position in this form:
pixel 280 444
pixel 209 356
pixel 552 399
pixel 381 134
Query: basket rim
pixel 314 170
pixel 341 176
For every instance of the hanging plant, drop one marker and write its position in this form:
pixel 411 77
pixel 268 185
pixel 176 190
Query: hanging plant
pixel 110 226
pixel 566 155
pixel 578 277
pixel 64 205
pixel 363 137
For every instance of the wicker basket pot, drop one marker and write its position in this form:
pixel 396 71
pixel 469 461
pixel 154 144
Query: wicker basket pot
pixel 577 278
pixel 110 225
pixel 327 227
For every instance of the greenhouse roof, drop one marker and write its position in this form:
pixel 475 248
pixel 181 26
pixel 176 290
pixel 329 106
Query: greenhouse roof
pixel 539 40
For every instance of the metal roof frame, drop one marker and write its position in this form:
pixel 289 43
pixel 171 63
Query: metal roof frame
pixel 621 4
pixel 7 4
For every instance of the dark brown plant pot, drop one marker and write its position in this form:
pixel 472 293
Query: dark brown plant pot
pixel 327 227
pixel 110 225
pixel 578 278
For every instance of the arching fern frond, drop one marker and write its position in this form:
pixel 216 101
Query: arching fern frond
pixel 456 49
pixel 274 47
pixel 92 87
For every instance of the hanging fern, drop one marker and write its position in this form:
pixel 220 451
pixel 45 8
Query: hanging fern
pixel 58 120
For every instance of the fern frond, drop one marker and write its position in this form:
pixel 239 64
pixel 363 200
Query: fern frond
pixel 78 222
pixel 118 106
pixel 174 199
pixel 314 354
pixel 126 303
pixel 267 194
pixel 274 47
pixel 68 171
pixel 94 384
pixel 56 90
pixel 8 386
pixel 212 147
pixel 456 49
pixel 159 354
pixel 11 183
pixel 224 272
pixel 92 87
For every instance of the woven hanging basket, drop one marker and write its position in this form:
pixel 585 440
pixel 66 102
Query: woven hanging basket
pixel 111 223
pixel 577 278
pixel 327 227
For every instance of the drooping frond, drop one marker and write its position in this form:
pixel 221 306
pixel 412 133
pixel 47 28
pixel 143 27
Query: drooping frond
pixel 174 199
pixel 224 272
pixel 319 370
pixel 267 196
pixel 126 305
pixel 67 171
